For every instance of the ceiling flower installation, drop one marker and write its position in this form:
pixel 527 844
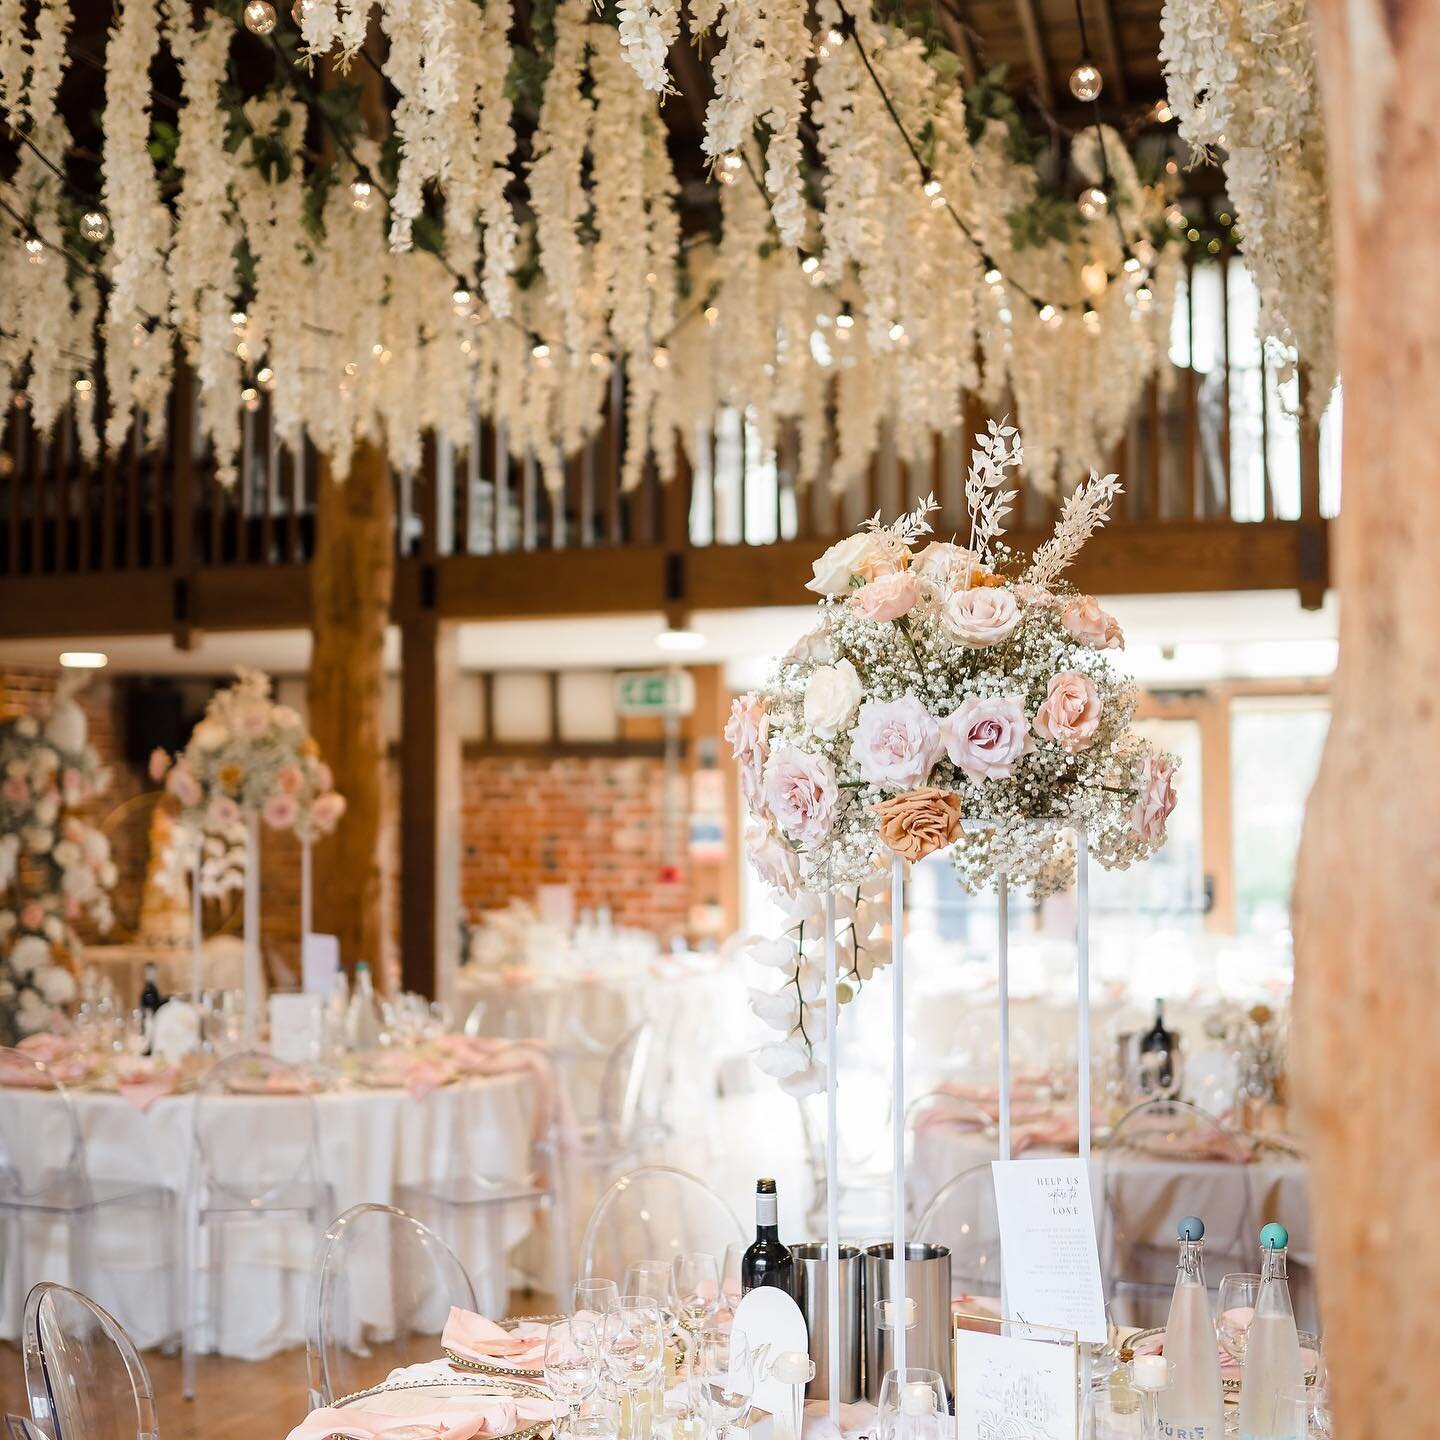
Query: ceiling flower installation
pixel 516 236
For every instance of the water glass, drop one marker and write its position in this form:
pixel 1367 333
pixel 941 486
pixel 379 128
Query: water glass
pixel 570 1369
pixel 1234 1309
pixel 633 1350
pixel 723 1370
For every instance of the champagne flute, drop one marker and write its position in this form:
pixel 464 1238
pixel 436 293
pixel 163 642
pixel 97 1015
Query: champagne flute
pixel 1234 1309
pixel 570 1371
pixel 725 1376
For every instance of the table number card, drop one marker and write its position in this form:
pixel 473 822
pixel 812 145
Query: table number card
pixel 1048 1251
pixel 1012 1387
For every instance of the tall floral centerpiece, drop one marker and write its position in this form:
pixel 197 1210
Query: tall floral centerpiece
pixel 55 868
pixel 249 760
pixel 953 697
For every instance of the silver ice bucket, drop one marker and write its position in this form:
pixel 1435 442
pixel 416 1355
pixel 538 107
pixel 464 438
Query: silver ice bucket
pixel 812 1292
pixel 927 1343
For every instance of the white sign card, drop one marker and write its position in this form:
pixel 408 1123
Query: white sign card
pixel 320 964
pixel 1019 1389
pixel 773 1325
pixel 1048 1251
pixel 295 1028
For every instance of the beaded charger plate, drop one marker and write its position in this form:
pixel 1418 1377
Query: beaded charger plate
pixel 1309 1349
pixel 499 1367
pixel 413 1397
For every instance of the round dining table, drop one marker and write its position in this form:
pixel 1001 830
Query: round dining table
pixel 370 1142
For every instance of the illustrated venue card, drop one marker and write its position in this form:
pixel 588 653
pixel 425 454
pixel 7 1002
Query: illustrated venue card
pixel 1005 1386
pixel 1048 1250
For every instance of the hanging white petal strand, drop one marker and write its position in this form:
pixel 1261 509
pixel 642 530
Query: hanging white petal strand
pixel 403 21
pixel 496 143
pixel 205 227
pixel 138 372
pixel 14 63
pixel 648 28
pixel 1241 79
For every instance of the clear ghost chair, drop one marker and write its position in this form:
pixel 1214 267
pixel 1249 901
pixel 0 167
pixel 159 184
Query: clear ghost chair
pixel 380 1292
pixel 655 1213
pixel 465 1186
pixel 1165 1159
pixel 962 1215
pixel 944 1120
pixel 273 1178
pixel 86 1380
pixel 44 1178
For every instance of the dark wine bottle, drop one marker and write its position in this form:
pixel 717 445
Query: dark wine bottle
pixel 1157 1056
pixel 150 1000
pixel 768 1260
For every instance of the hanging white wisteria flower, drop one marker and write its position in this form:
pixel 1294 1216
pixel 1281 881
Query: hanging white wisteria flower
pixel 648 28
pixel 1241 80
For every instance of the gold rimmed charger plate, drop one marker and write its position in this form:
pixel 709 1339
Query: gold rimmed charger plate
pixel 425 1390
pixel 498 1367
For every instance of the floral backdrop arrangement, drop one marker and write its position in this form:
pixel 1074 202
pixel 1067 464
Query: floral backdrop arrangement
pixel 55 869
pixel 950 697
pixel 247 756
pixel 864 236
pixel 1241 79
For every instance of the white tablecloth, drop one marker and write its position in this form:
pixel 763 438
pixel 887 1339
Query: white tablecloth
pixel 370 1141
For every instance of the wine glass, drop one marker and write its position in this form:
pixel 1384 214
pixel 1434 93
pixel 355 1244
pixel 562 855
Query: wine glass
pixel 651 1280
pixel 590 1302
pixel 724 1375
pixel 633 1351
pixel 913 1406
pixel 1234 1309
pixel 570 1368
pixel 732 1286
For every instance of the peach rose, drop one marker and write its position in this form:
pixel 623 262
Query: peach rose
pixel 290 779
pixel 887 597
pixel 1070 714
pixel 281 811
pixel 980 617
pixel 159 764
pixel 919 822
pixel 1086 622
pixel 325 813
pixel 182 784
pixel 1156 799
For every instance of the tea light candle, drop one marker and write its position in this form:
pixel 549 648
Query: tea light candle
pixel 890 1314
pixel 1151 1372
pixel 917 1398
pixel 793 1367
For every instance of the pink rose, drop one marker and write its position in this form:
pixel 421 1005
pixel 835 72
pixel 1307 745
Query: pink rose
pixel 252 719
pixel 322 775
pixel 748 731
pixel 72 786
pixel 159 764
pixel 15 790
pixel 223 812
pixel 182 784
pixel 981 616
pixel 280 811
pixel 325 813
pixel 896 742
pixel 32 917
pixel 1156 799
pixel 1092 626
pixel 986 735
pixel 773 859
pixel 799 791
pixel 887 597
pixel 290 779
pixel 1070 715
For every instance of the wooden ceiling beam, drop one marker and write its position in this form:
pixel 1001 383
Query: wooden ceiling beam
pixel 1111 58
pixel 958 34
pixel 1035 51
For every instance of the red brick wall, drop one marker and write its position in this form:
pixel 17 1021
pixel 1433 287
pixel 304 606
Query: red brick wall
pixel 592 823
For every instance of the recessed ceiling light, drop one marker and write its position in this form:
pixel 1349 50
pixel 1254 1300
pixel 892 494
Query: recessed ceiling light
pixel 680 640
pixel 84 659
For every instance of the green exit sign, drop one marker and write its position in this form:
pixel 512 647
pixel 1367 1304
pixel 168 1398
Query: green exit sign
pixel 654 692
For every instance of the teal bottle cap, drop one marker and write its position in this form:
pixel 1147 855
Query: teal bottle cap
pixel 1192 1227
pixel 1274 1237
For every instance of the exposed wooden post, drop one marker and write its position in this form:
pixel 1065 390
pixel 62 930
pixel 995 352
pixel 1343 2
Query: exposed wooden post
pixel 352 579
pixel 1312 559
pixel 1368 893
pixel 429 805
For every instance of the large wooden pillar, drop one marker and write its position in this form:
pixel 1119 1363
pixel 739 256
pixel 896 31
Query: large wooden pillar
pixel 1367 904
pixel 351 581
pixel 429 805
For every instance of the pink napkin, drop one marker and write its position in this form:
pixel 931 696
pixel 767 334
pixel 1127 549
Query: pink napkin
pixel 424 1077
pixel 142 1090
pixel 489 1055
pixel 456 1417
pixel 64 1070
pixel 47 1048
pixel 473 1337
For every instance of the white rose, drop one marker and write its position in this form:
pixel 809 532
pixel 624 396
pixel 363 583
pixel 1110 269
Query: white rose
pixel 831 696
pixel 210 735
pixel 840 564
pixel 980 617
pixel 67 853
pixel 38 840
pixel 47 809
pixel 30 953
pixel 812 645
pixel 33 1014
pixel 56 984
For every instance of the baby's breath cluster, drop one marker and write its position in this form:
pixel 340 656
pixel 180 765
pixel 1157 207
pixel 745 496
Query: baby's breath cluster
pixel 945 699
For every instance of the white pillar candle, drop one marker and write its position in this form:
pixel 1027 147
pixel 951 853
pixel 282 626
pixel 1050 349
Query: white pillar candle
pixel 1151 1372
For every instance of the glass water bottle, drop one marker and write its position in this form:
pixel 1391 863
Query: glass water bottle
pixel 1193 1407
pixel 1274 1371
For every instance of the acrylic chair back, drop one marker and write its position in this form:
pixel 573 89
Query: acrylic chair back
pixel 962 1215
pixel 85 1378
pixel 42 1151
pixel 623 1085
pixel 655 1213
pixel 276 1168
pixel 380 1292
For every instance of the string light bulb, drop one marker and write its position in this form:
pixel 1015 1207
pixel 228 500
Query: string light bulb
pixel 362 195
pixel 299 10
pixel 259 17
pixel 1086 81
pixel 1050 317
pixel 1091 321
pixel 993 276
pixel 1093 202
pixel 94 227
pixel 35 250
pixel 461 301
pixel 83 387
pixel 1094 277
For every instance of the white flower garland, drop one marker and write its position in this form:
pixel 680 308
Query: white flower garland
pixel 648 28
